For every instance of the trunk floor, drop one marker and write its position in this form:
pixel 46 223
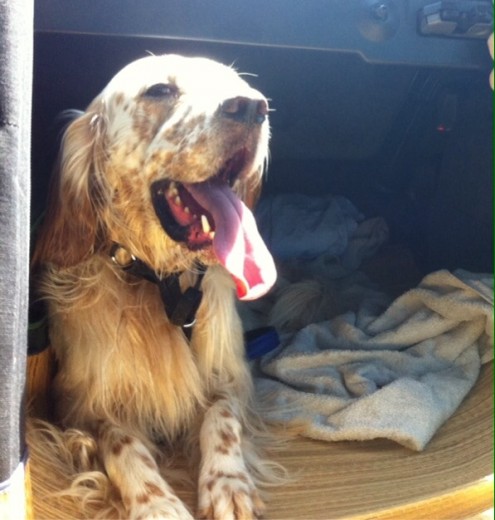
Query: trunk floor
pixel 452 479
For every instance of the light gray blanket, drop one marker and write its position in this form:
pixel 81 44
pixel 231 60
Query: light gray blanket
pixel 397 375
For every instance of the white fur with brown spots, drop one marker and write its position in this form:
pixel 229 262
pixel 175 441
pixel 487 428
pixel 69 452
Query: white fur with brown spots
pixel 190 136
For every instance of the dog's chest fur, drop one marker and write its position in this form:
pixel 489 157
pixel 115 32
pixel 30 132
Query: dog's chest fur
pixel 129 363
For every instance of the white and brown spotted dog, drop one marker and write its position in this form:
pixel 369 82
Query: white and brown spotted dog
pixel 155 172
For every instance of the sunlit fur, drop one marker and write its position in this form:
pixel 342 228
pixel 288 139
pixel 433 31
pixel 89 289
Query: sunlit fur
pixel 119 359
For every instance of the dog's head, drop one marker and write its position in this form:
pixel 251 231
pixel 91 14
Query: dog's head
pixel 163 162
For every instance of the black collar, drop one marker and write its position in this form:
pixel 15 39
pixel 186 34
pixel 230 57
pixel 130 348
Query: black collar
pixel 180 307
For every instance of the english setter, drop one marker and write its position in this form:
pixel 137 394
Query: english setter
pixel 147 216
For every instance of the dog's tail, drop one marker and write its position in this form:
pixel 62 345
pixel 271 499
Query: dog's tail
pixel 301 303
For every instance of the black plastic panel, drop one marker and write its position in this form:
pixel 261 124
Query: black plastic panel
pixel 380 31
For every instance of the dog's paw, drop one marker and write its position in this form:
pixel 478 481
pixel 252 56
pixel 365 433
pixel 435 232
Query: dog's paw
pixel 167 509
pixel 224 496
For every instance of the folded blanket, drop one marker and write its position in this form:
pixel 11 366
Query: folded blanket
pixel 397 375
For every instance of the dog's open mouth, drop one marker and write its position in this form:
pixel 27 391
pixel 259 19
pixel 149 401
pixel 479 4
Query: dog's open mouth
pixel 209 214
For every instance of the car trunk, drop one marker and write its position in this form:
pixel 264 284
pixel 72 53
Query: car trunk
pixel 365 108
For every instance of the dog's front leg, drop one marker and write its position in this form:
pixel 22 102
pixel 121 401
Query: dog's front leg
pixel 226 489
pixel 132 469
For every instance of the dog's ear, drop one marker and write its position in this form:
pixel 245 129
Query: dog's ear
pixel 70 228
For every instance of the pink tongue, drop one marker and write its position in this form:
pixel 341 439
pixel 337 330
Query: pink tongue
pixel 237 243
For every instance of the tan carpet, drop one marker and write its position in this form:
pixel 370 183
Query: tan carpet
pixel 452 479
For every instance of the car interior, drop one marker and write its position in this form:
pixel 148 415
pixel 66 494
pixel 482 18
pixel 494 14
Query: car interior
pixel 387 104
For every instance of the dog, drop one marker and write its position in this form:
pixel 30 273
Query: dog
pixel 147 242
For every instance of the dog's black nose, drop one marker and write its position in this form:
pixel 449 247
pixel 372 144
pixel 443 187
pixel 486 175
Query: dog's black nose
pixel 245 110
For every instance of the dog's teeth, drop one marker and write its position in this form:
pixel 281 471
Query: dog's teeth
pixel 187 210
pixel 205 225
pixel 172 190
pixel 178 201
pixel 211 234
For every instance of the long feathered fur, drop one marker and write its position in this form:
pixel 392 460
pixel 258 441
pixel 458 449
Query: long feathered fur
pixel 121 362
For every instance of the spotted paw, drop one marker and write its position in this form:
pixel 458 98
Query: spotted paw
pixel 229 496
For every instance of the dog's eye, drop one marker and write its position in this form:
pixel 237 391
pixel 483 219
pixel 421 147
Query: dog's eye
pixel 160 91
